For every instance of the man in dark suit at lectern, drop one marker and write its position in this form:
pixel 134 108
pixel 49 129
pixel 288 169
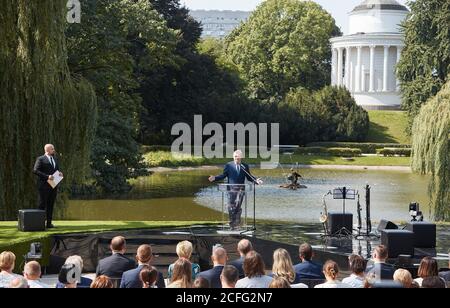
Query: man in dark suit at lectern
pixel 45 166
pixel 236 172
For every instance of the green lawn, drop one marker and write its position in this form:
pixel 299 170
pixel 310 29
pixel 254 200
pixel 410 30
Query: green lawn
pixel 165 159
pixel 388 127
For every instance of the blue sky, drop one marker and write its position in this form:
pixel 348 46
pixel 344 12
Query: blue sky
pixel 337 8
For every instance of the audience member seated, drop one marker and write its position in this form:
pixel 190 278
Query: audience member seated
pixel 130 279
pixel 405 278
pixel 331 272
pixel 102 282
pixel 78 262
pixel 428 268
pixel 19 283
pixel 243 248
pixel 280 283
pixel 32 273
pixel 219 258
pixel 115 265
pixel 380 268
pixel 254 272
pixel 308 269
pixel 446 274
pixel 69 275
pixel 433 282
pixel 282 266
pixel 182 274
pixel 229 277
pixel 201 283
pixel 148 277
pixel 357 266
pixel 184 250
pixel 7 263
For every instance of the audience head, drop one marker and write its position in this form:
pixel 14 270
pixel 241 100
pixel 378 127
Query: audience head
pixel 229 276
pixel 7 261
pixel 19 283
pixel 69 275
pixel 331 270
pixel 433 282
pixel 282 265
pixel 305 252
pixel 219 256
pixel 404 277
pixel 244 247
pixel 380 253
pixel 182 272
pixel 102 282
pixel 184 249
pixel 253 265
pixel 279 283
pixel 148 276
pixel 201 283
pixel 32 271
pixel 428 268
pixel 356 264
pixel 144 254
pixel 77 260
pixel 118 244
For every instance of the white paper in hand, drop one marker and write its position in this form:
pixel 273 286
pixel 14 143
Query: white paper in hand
pixel 56 179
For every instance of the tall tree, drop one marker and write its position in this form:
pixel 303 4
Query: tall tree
pixel 431 150
pixel 425 62
pixel 285 44
pixel 116 43
pixel 40 101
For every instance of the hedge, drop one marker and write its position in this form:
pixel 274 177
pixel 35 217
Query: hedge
pixel 367 148
pixel 395 151
pixel 346 152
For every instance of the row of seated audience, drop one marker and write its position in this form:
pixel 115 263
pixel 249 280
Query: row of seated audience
pixel 246 272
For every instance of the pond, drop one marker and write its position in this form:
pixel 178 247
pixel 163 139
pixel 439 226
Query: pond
pixel 187 195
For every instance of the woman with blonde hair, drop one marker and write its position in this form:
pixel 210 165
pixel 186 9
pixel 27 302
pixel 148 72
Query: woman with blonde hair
pixel 331 272
pixel 102 282
pixel 280 283
pixel 182 274
pixel 404 277
pixel 184 250
pixel 282 267
pixel 7 263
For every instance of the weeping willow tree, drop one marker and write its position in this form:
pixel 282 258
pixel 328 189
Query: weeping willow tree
pixel 431 150
pixel 40 102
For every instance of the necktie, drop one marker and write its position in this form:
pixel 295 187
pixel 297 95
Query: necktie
pixel 52 161
pixel 238 169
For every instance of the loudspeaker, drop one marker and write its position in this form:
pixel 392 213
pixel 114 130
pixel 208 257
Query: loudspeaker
pixel 338 221
pixel 424 233
pixel 32 220
pixel 398 242
pixel 386 224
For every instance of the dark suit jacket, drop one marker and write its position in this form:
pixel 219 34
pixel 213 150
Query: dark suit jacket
pixel 239 264
pixel 131 280
pixel 233 176
pixel 308 270
pixel 386 271
pixel 43 168
pixel 114 266
pixel 213 276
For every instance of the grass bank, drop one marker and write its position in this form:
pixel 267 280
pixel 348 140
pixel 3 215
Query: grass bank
pixel 388 127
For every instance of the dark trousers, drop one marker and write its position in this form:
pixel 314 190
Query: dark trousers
pixel 235 199
pixel 47 197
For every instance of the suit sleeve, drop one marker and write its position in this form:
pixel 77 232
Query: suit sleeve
pixel 37 169
pixel 250 178
pixel 223 175
pixel 122 282
pixel 160 283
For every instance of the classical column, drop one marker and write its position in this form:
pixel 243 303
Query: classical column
pixel 340 62
pixel 358 70
pixel 385 68
pixel 399 54
pixel 333 66
pixel 372 69
pixel 347 67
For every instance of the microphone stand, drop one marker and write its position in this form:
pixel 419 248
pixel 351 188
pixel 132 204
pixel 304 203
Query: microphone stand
pixel 254 196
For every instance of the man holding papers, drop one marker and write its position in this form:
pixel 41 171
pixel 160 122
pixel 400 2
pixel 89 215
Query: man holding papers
pixel 47 170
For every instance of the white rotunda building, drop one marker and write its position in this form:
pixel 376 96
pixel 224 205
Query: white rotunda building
pixel 364 59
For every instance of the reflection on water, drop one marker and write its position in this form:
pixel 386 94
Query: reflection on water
pixel 187 195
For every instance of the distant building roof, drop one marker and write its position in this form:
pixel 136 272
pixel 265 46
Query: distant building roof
pixel 380 5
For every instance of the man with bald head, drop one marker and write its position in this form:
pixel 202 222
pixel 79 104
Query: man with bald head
pixel 45 166
pixel 219 258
